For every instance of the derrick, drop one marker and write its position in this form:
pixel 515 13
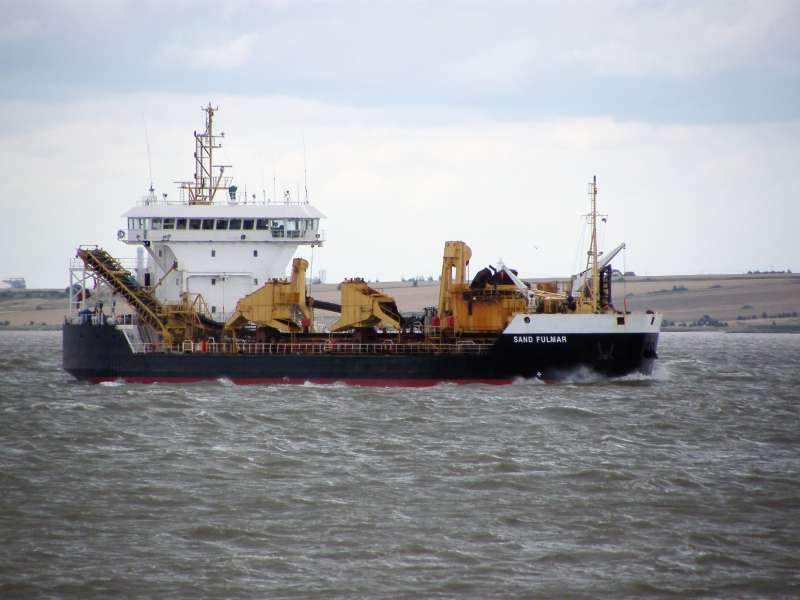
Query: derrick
pixel 276 304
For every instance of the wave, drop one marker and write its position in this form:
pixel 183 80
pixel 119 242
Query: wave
pixel 115 383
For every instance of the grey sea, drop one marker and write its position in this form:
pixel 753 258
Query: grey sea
pixel 681 485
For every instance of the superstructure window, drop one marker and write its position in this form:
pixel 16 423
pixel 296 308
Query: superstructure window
pixel 262 224
pixel 278 228
pixel 169 223
pixel 213 253
pixel 131 223
pixel 156 222
pixel 255 280
pixel 194 223
pixel 222 223
pixel 255 252
pixel 248 223
pixel 235 224
pixel 180 224
pixel 208 224
pixel 213 281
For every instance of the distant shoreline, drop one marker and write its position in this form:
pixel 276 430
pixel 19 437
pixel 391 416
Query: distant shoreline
pixel 747 303
pixel 736 330
pixel 31 328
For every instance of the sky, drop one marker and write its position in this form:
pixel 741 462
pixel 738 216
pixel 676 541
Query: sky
pixel 415 123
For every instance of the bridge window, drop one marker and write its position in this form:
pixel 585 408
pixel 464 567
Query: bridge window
pixel 194 223
pixel 222 223
pixel 262 224
pixel 180 224
pixel 248 223
pixel 169 223
pixel 208 224
pixel 156 222
pixel 235 224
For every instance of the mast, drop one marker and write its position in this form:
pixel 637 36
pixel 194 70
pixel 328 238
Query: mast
pixel 205 185
pixel 593 245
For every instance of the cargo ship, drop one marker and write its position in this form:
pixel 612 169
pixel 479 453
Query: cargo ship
pixel 212 301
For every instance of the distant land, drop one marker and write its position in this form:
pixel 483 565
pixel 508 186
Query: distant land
pixel 737 303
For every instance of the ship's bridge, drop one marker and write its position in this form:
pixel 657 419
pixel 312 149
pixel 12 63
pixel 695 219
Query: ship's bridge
pixel 276 223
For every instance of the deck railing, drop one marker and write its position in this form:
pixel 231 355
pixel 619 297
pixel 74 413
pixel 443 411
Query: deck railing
pixel 318 348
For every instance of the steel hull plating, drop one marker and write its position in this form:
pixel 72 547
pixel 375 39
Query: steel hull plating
pixel 101 353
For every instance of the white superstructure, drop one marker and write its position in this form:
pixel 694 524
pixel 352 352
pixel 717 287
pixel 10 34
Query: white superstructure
pixel 214 244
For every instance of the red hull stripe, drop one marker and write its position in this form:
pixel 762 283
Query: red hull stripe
pixel 300 381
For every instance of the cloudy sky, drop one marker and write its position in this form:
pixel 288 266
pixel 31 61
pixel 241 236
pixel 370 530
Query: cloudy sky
pixel 422 122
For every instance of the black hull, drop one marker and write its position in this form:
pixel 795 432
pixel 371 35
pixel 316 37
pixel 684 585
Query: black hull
pixel 101 353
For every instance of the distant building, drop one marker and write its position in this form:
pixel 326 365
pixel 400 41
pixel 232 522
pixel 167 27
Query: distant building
pixel 16 283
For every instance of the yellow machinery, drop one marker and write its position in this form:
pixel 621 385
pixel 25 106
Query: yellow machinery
pixel 487 310
pixel 481 310
pixel 363 306
pixel 454 273
pixel 488 304
pixel 276 303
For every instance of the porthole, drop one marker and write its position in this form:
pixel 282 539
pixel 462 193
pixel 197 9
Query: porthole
pixel 527 319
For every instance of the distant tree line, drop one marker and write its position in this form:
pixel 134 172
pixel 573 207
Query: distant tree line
pixel 764 315
pixel 704 321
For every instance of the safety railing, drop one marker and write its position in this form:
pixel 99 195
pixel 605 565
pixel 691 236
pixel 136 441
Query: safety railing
pixel 317 348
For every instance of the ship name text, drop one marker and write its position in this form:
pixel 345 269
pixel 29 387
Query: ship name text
pixel 540 339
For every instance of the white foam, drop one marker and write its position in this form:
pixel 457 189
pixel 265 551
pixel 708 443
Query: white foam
pixel 527 381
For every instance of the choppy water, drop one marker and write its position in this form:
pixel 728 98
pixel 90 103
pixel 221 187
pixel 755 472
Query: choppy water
pixel 682 485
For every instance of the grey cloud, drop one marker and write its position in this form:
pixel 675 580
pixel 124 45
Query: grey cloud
pixel 624 59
